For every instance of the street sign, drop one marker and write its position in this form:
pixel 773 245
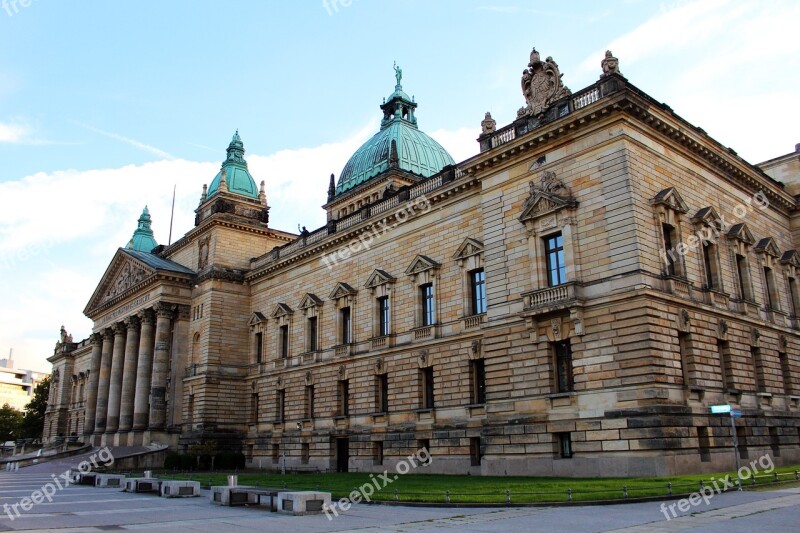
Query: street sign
pixel 736 413
pixel 720 409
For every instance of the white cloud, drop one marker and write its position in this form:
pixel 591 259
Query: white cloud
pixel 13 132
pixel 58 231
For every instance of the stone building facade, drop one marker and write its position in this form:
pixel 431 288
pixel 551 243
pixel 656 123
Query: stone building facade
pixel 569 301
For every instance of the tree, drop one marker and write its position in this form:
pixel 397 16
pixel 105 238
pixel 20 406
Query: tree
pixel 32 423
pixel 10 420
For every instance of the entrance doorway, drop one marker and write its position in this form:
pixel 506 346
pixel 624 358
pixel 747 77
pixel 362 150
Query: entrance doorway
pixel 342 454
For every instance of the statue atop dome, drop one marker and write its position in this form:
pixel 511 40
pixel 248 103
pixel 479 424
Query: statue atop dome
pixel 398 73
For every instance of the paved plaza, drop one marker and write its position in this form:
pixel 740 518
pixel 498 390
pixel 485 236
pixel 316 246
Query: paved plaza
pixel 84 508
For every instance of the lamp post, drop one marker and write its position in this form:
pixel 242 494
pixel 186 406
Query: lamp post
pixel 734 414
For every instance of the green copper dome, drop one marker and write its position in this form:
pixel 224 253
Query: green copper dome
pixel 237 178
pixel 142 239
pixel 416 152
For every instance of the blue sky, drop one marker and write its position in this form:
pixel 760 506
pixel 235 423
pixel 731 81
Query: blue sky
pixel 104 106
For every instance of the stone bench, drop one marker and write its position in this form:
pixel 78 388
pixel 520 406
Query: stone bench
pixel 303 502
pixel 143 484
pixel 116 481
pixel 243 495
pixel 85 478
pixel 179 489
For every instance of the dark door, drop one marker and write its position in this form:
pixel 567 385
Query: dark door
pixel 342 454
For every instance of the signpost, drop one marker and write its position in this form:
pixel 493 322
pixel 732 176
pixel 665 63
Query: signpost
pixel 734 414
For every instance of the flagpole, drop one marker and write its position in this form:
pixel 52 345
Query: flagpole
pixel 172 214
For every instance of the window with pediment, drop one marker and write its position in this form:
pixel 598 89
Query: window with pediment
pixel 707 224
pixel 311 307
pixel 282 314
pixel 424 273
pixel 669 209
pixel 768 256
pixel 344 298
pixel 380 284
pixel 741 240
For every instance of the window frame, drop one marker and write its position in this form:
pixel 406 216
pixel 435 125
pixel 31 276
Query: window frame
pixel 478 303
pixel 565 360
pixel 427 295
pixel 554 248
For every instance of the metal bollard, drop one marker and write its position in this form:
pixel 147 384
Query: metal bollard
pixel 508 497
pixel 701 485
pixel 569 495
pixel 625 491
pixel 669 488
pixel 447 496
pixel 395 496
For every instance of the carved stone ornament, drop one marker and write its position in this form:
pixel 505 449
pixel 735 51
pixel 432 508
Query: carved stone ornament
pixel 488 124
pixel 610 65
pixel 784 341
pixel 475 349
pixel 379 365
pixel 203 245
pixel 342 372
pixel 129 276
pixel 422 358
pixel 309 378
pixel 722 332
pixel 541 85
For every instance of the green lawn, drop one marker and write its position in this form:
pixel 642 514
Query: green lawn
pixel 478 489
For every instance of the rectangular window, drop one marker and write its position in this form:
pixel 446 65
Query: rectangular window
pixel 425 444
pixel 786 372
pixel 312 334
pixel 382 393
pixel 683 352
pixel 276 453
pixel 475 451
pixel 793 297
pixel 305 452
pixel 711 265
pixel 428 305
pixel 771 295
pixel 377 453
pixel 259 347
pixel 564 445
pixel 563 364
pixel 254 408
pixel 284 339
pixel 309 408
pixel 724 351
pixel 758 366
pixel 346 324
pixel 554 255
pixel 477 372
pixel 477 283
pixel 742 274
pixel 383 316
pixel 426 386
pixel 280 406
pixel 669 234
pixel 344 397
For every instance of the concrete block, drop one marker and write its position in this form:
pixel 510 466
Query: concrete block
pixel 302 503
pixel 109 481
pixel 179 489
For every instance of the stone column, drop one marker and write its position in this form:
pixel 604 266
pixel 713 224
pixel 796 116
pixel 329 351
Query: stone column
pixel 129 374
pixel 144 368
pixel 103 383
pixel 158 388
pixel 115 383
pixel 94 376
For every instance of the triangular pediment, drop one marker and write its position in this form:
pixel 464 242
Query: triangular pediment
pixel 767 245
pixel 309 300
pixel 421 263
pixel 741 232
pixel 542 203
pixel 708 216
pixel 791 257
pixel 672 199
pixel 341 290
pixel 256 319
pixel 122 276
pixel 379 277
pixel 468 248
pixel 280 310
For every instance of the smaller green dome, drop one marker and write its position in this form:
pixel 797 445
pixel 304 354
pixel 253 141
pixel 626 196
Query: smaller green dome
pixel 237 178
pixel 142 239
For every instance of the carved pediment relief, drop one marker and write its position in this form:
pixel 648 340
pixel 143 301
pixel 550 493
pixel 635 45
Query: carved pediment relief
pixel 468 248
pixel 421 263
pixel 547 197
pixel 671 199
pixel 791 258
pixel 708 216
pixel 129 276
pixel 256 319
pixel 379 277
pixel 767 245
pixel 123 274
pixel 280 310
pixel 740 232
pixel 309 300
pixel 341 290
